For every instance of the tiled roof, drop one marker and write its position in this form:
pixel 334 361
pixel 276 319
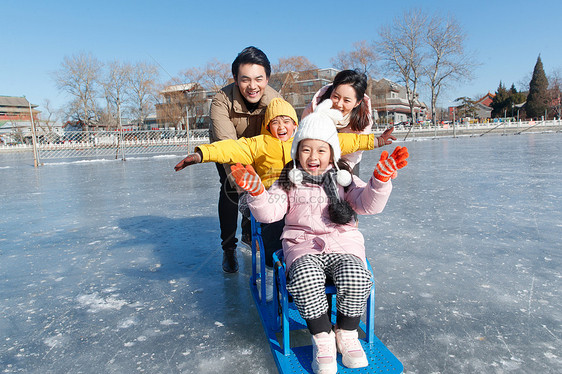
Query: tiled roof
pixel 12 101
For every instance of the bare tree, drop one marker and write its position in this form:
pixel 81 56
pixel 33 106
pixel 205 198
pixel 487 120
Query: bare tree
pixel 48 117
pixel 293 64
pixel 190 96
pixel 115 85
pixel 288 72
pixel 555 92
pixel 172 108
pixel 447 61
pixel 79 76
pixel 142 90
pixel 215 75
pixel 363 57
pixel 402 51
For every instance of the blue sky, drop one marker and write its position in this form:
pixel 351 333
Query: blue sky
pixel 505 36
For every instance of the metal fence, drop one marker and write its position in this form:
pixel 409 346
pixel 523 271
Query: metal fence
pixel 123 144
pixel 117 144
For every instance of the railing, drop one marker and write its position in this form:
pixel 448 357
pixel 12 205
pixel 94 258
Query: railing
pixel 122 144
pixel 117 144
pixel 476 129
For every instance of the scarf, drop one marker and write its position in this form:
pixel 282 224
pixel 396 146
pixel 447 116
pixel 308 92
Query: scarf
pixel 339 210
pixel 344 122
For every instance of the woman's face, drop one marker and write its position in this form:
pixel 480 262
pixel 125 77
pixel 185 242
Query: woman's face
pixel 314 156
pixel 344 98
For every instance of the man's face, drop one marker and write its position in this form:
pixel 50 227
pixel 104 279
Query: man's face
pixel 252 81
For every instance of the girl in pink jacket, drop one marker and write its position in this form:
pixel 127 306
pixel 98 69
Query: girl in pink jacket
pixel 319 199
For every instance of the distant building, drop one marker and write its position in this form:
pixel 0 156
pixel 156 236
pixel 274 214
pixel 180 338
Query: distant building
pixel 178 100
pixel 16 110
pixel 15 118
pixel 483 106
pixel 391 102
pixel 298 88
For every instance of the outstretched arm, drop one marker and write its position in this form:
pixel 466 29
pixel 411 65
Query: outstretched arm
pixel 227 151
pixel 351 142
pixel 193 158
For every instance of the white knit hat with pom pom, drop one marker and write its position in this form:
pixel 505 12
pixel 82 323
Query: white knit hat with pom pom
pixel 320 125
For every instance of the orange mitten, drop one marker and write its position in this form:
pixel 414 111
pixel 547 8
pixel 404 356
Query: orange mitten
pixel 247 179
pixel 387 166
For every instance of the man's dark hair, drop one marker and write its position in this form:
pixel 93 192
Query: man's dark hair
pixel 251 55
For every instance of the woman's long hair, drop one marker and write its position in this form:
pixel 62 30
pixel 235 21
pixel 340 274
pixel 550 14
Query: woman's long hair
pixel 360 115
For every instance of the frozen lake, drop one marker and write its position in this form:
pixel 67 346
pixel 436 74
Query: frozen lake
pixel 115 267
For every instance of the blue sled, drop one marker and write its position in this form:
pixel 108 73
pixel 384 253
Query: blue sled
pixel 282 322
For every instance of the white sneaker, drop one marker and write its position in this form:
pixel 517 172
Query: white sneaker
pixel 324 353
pixel 349 346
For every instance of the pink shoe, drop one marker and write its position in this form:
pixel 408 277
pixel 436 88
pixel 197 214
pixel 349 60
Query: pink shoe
pixel 324 353
pixel 349 346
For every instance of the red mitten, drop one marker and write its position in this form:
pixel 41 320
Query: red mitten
pixel 247 179
pixel 387 166
pixel 386 137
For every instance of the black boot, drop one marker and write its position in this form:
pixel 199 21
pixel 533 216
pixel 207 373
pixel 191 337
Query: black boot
pixel 229 261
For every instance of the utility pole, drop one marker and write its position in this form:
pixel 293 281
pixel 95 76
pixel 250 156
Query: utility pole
pixel 33 138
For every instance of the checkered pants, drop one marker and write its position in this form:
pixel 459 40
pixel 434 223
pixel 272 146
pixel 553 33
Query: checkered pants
pixel 307 279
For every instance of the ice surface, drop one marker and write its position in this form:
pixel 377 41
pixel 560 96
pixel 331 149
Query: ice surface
pixel 115 267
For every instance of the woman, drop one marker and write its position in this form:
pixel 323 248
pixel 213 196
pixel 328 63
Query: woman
pixel 347 93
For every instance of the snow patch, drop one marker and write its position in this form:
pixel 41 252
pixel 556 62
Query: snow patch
pixel 126 323
pixel 550 355
pixel 95 303
pixel 54 341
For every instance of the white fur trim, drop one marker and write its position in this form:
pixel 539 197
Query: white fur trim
pixel 295 176
pixel 343 177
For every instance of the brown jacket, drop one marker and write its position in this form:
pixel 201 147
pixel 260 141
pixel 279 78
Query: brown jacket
pixel 230 119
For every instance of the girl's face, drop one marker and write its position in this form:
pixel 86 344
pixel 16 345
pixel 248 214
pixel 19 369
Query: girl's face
pixel 344 98
pixel 314 156
pixel 282 127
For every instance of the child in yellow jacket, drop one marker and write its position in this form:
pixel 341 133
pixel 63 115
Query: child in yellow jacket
pixel 269 152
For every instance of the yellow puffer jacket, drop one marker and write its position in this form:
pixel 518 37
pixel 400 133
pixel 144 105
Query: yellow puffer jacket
pixel 268 155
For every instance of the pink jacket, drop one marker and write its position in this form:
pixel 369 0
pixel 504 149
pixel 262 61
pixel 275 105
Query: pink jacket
pixel 352 158
pixel 308 228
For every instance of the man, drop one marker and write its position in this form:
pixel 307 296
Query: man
pixel 237 111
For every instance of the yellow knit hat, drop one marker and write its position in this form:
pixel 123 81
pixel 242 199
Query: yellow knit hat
pixel 279 107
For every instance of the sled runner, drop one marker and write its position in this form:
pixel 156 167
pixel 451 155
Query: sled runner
pixel 286 331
